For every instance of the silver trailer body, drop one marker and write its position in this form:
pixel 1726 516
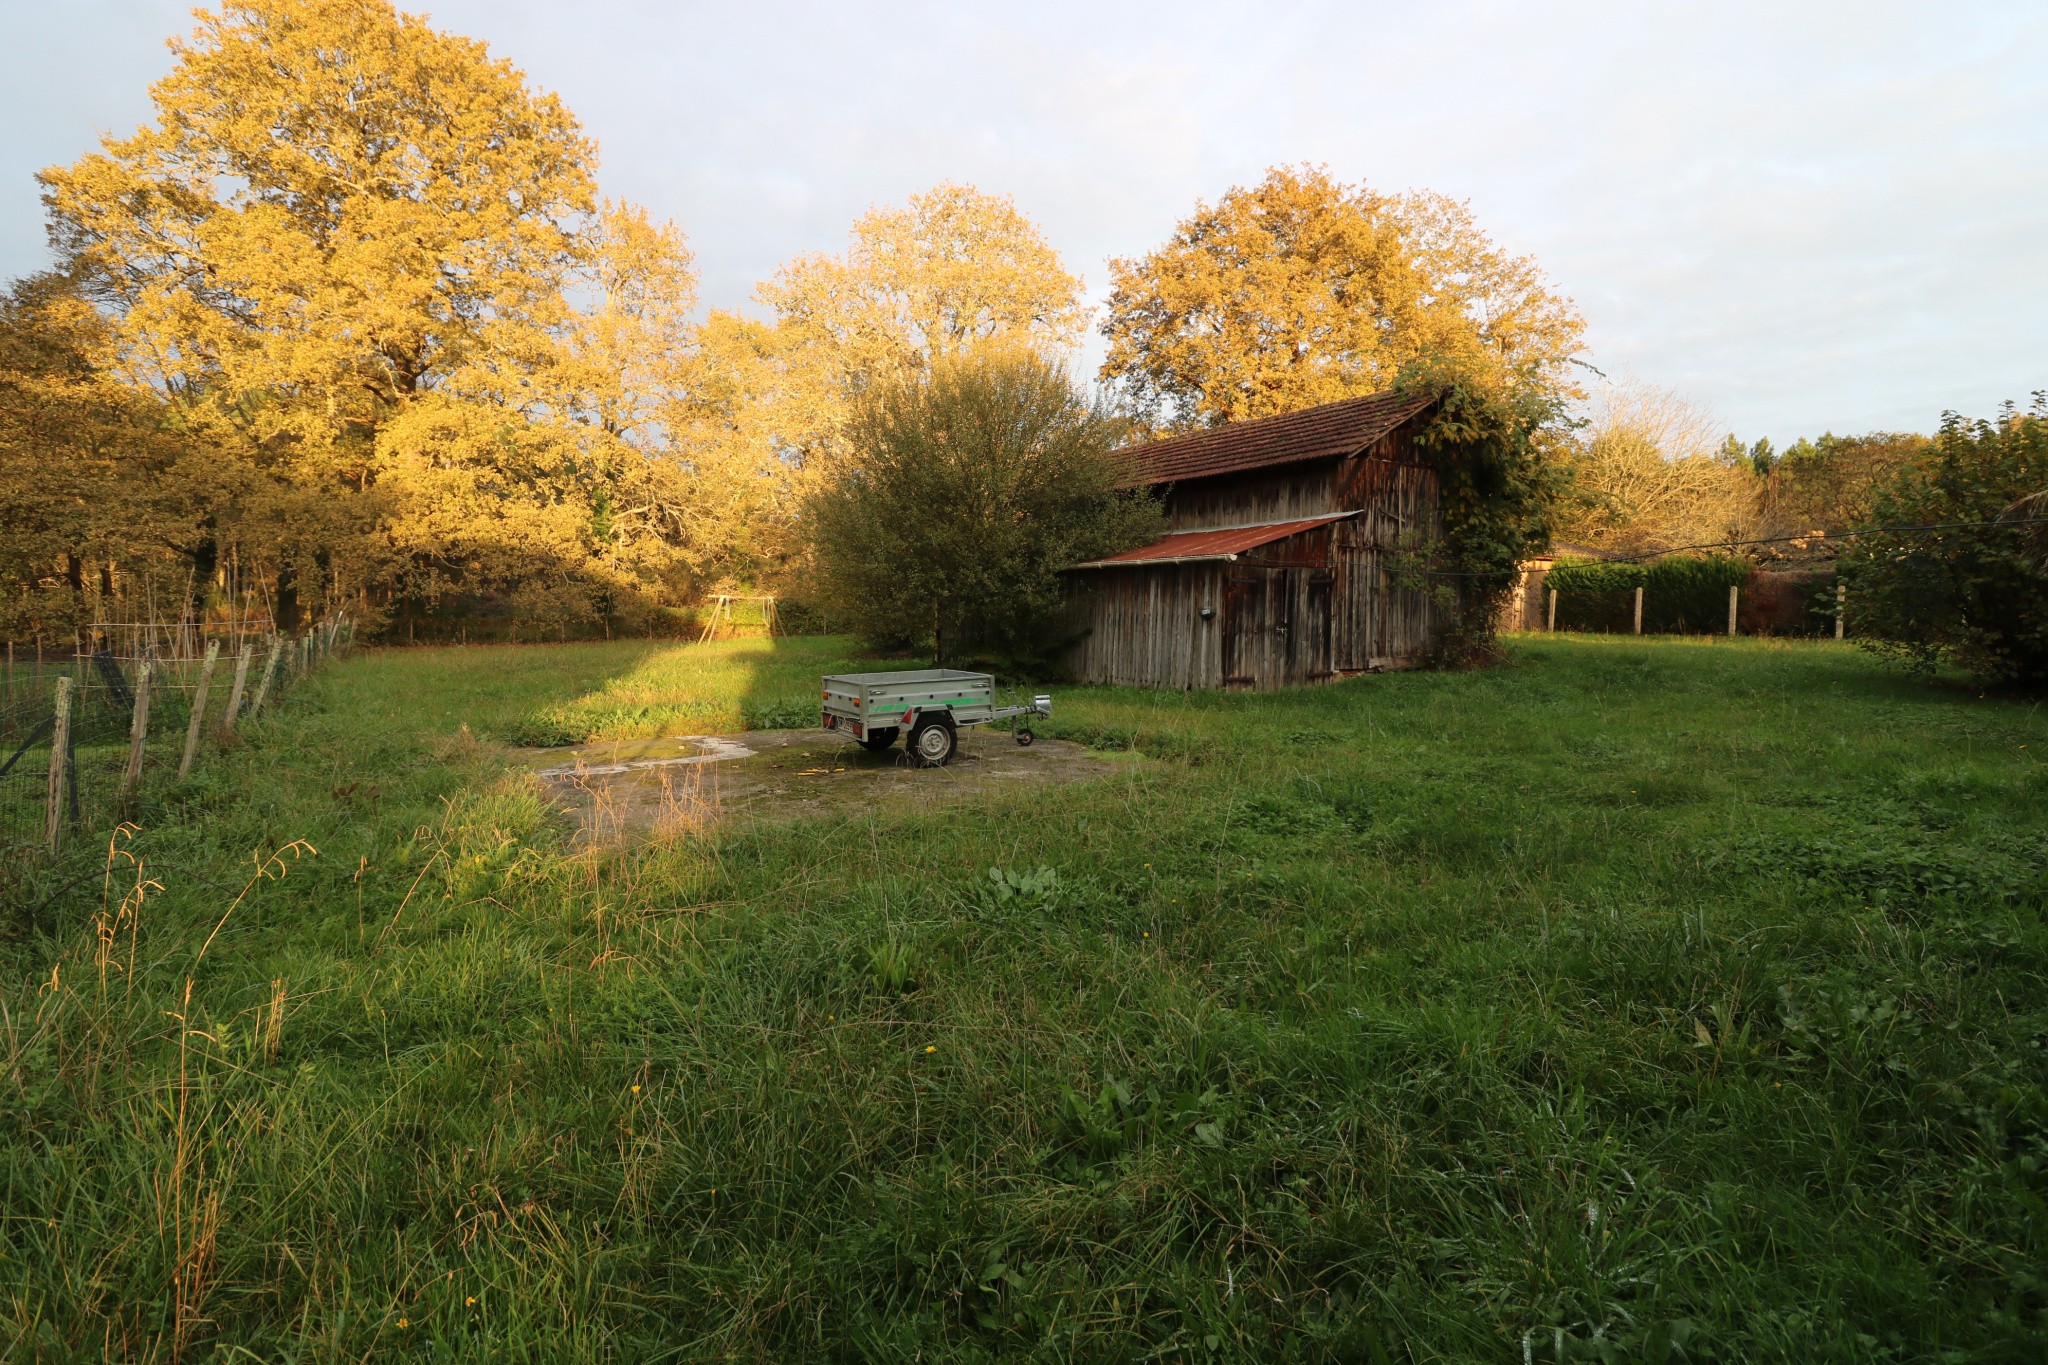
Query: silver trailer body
pixel 874 707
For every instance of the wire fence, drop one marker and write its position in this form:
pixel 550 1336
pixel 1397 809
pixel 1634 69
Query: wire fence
pixel 82 733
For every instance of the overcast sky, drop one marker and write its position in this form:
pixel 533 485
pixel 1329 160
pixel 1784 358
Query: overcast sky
pixel 1801 216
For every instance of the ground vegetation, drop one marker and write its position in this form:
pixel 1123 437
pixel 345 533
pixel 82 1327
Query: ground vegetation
pixel 1653 1000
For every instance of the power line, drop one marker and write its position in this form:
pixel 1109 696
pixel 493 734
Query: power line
pixel 1603 558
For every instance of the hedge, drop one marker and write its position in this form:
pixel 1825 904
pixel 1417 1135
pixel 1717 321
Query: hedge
pixel 1683 595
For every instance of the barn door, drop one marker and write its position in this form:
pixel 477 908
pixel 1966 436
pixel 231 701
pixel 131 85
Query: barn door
pixel 1245 627
pixel 1308 635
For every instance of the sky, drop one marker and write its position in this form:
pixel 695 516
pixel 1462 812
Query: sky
pixel 1798 216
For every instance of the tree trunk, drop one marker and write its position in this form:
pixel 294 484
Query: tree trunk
pixel 287 602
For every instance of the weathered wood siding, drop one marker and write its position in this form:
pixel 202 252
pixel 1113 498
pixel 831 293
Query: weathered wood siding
pixel 1143 627
pixel 1291 493
pixel 1317 605
pixel 1385 617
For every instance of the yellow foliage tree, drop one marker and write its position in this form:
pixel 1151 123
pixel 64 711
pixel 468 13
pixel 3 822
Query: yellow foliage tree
pixel 764 425
pixel 96 490
pixel 1650 476
pixel 345 242
pixel 1303 290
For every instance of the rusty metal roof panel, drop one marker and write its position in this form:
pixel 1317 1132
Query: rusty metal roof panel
pixel 1184 547
pixel 1330 431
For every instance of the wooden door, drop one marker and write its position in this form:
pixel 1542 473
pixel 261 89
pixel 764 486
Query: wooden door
pixel 1308 630
pixel 1246 626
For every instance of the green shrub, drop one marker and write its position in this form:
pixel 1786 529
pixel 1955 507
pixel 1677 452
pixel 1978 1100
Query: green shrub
pixel 1974 595
pixel 971 488
pixel 1682 595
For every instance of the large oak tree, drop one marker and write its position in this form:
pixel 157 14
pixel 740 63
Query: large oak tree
pixel 1303 290
pixel 349 243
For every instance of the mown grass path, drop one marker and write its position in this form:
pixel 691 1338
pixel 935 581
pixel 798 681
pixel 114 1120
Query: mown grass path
pixel 1643 1000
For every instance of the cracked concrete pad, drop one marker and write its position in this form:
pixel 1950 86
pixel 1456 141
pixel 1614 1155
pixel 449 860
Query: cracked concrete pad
pixel 647 786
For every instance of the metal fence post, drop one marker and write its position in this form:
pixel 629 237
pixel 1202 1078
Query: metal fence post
pixel 60 745
pixel 198 708
pixel 138 732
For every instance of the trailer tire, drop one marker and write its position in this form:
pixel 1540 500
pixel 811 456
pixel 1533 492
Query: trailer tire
pixel 933 741
pixel 878 740
pixel 1024 737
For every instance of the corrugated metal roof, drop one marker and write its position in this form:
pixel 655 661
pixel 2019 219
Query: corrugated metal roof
pixel 1334 429
pixel 1191 546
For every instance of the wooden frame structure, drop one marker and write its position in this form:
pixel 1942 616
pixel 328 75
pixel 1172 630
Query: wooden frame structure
pixel 1277 567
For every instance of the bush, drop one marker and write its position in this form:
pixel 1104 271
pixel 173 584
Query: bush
pixel 971 488
pixel 1975 594
pixel 1682 595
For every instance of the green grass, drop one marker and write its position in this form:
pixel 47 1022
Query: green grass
pixel 1639 1001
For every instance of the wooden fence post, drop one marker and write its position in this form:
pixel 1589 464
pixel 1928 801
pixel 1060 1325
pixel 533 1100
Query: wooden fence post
pixel 269 675
pixel 1841 607
pixel 60 745
pixel 1732 591
pixel 138 732
pixel 1639 609
pixel 198 708
pixel 227 722
pixel 1550 623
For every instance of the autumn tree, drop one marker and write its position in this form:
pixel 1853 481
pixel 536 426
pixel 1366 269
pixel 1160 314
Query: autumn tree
pixel 1833 483
pixel 346 242
pixel 97 490
pixel 765 426
pixel 1303 290
pixel 1648 475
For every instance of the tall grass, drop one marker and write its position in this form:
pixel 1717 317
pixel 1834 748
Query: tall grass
pixel 1639 1001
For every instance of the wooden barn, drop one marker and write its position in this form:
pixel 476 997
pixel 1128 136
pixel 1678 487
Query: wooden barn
pixel 1273 570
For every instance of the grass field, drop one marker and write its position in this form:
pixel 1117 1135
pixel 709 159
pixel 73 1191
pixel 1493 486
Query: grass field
pixel 1640 1001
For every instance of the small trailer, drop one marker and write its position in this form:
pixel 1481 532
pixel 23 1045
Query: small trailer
pixel 930 704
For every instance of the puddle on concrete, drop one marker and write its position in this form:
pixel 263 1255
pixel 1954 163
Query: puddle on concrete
pixel 646 786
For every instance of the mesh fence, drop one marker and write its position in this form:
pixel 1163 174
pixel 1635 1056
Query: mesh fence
pixel 127 719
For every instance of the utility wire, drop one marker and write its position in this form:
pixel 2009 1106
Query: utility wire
pixel 1736 544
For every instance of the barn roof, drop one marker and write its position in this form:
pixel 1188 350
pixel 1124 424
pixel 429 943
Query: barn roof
pixel 1187 547
pixel 1334 429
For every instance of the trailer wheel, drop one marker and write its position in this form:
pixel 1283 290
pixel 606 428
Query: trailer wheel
pixel 878 740
pixel 932 742
pixel 1024 737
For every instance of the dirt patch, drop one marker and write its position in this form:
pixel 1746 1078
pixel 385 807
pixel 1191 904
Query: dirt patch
pixel 641 786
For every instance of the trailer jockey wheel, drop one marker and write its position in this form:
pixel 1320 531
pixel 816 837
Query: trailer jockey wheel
pixel 877 741
pixel 1024 737
pixel 932 741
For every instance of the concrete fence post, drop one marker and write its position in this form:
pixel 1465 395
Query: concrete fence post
pixel 1732 592
pixel 1550 621
pixel 1841 607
